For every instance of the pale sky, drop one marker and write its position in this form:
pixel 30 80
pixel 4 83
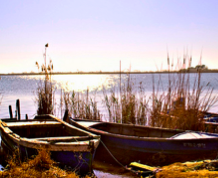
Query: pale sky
pixel 94 35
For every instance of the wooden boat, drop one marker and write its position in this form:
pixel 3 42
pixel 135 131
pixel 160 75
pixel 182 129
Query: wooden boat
pixel 69 145
pixel 149 145
pixel 210 117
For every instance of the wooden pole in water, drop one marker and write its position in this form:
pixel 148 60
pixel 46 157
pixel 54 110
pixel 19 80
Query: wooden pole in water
pixel 120 96
pixel 120 78
pixel 10 112
pixel 18 109
pixel 61 102
pixel 66 115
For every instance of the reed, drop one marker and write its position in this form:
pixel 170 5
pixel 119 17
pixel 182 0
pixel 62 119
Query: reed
pixel 179 106
pixel 81 105
pixel 45 91
pixel 128 106
pixel 182 104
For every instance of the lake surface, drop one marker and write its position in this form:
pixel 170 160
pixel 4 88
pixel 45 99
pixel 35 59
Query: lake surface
pixel 23 87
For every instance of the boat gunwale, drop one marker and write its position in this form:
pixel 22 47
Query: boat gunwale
pixel 79 146
pixel 31 123
pixel 55 145
pixel 170 139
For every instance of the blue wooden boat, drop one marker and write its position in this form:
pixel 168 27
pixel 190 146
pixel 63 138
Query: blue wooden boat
pixel 69 145
pixel 149 145
pixel 210 117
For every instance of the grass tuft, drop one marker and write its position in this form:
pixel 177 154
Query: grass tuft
pixel 81 105
pixel 45 90
pixel 41 166
pixel 199 169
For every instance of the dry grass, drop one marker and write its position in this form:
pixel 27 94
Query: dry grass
pixel 44 97
pixel 81 105
pixel 199 169
pixel 45 90
pixel 42 166
pixel 129 106
pixel 182 104
pixel 179 106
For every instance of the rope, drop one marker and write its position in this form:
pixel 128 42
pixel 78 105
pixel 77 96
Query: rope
pixel 135 172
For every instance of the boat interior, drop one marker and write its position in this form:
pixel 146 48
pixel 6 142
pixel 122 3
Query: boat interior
pixel 35 129
pixel 132 130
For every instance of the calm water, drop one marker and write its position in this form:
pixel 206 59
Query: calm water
pixel 24 88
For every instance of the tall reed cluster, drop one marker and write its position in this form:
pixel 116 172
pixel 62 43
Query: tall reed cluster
pixel 81 105
pixel 179 105
pixel 182 104
pixel 46 90
pixel 128 106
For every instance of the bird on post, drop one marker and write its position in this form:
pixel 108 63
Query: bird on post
pixel 46 45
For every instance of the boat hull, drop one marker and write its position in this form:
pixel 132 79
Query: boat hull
pixel 80 162
pixel 128 146
pixel 153 153
pixel 75 155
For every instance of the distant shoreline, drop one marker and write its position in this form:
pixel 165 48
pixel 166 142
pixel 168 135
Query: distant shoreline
pixel 105 73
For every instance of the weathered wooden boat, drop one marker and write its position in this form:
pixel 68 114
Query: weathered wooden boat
pixel 149 145
pixel 210 117
pixel 68 145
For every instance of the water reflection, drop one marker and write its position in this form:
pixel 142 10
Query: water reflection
pixel 81 82
pixel 76 82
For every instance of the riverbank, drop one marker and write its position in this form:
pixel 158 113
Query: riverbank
pixel 206 168
pixel 43 166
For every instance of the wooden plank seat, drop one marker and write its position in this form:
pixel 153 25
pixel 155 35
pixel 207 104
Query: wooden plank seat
pixel 64 139
pixel 34 123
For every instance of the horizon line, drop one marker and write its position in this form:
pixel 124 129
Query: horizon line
pixel 110 72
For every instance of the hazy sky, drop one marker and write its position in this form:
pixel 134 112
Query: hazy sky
pixel 93 35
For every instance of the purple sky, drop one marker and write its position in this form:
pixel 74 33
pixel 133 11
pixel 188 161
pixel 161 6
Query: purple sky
pixel 94 35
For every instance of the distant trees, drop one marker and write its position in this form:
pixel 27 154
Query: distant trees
pixel 197 68
pixel 201 67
